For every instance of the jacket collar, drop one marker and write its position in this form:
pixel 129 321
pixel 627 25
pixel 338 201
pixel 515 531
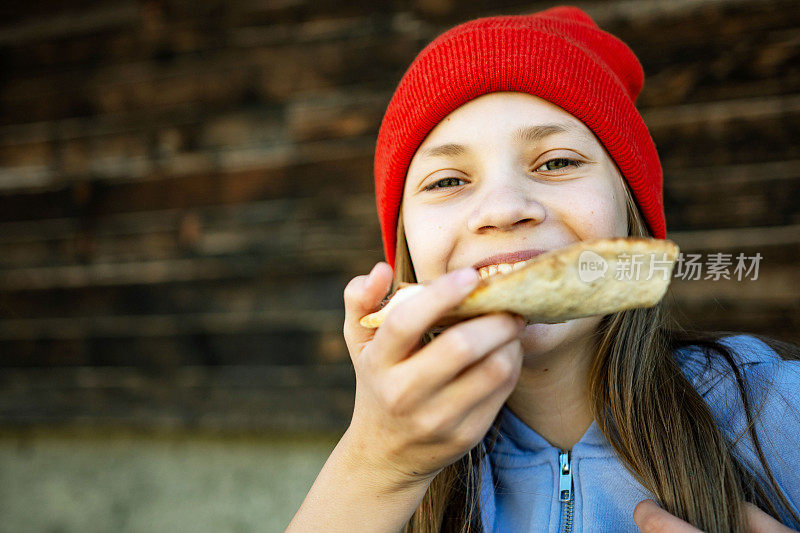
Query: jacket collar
pixel 517 438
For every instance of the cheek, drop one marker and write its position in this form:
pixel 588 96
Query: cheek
pixel 597 212
pixel 426 235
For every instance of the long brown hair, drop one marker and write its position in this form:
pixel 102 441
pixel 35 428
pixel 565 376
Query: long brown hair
pixel 659 425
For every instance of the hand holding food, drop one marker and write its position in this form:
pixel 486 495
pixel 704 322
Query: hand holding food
pixel 418 409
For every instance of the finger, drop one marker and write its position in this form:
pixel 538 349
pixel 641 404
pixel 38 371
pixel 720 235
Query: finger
pixel 497 373
pixel 485 397
pixel 411 318
pixel 760 522
pixel 362 296
pixel 653 519
pixel 457 349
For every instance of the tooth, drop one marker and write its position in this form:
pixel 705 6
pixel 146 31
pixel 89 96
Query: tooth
pixel 518 265
pixel 504 268
pixel 492 270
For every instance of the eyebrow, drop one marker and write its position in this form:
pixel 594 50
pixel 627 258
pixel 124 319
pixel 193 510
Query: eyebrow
pixel 529 134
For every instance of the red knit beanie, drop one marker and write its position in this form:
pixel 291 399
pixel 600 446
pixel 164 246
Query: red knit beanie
pixel 559 55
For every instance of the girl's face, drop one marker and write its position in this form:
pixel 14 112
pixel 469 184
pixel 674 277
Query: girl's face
pixel 510 172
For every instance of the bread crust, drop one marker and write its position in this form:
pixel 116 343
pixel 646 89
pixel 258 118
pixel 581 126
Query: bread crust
pixel 561 285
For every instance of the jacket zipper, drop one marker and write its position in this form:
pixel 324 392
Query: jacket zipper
pixel 565 491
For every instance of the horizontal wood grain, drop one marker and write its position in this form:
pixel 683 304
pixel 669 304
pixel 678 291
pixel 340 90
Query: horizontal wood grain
pixel 186 189
pixel 271 61
pixel 254 397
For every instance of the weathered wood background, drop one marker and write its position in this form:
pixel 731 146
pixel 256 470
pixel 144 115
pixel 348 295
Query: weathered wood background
pixel 186 188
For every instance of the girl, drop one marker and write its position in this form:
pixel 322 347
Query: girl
pixel 509 136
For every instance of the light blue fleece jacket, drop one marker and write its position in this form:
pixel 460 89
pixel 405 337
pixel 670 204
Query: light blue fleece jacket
pixel 522 482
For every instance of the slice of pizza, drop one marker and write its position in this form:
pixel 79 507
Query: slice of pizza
pixel 584 279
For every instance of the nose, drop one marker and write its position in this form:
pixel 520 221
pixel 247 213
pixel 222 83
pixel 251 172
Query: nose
pixel 504 205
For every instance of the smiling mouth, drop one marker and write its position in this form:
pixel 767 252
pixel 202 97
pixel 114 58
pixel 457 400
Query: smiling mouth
pixel 502 268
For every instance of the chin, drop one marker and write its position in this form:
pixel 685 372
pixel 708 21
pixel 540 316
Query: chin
pixel 542 339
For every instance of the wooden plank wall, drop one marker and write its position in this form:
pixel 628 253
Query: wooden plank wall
pixel 186 188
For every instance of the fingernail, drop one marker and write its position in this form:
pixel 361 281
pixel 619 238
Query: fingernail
pixel 466 276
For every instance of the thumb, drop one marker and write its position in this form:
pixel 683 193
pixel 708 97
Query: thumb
pixel 363 296
pixel 650 518
pixel 760 522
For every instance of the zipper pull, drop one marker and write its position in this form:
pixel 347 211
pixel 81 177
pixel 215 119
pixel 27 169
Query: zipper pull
pixel 565 477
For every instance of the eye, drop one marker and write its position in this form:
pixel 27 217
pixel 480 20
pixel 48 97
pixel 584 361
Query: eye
pixel 443 180
pixel 558 164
